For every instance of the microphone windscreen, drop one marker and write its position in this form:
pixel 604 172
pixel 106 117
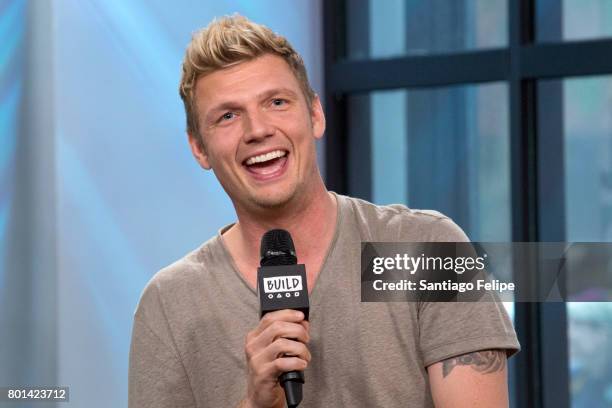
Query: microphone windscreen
pixel 277 248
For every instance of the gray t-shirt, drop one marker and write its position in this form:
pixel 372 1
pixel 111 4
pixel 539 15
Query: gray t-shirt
pixel 190 325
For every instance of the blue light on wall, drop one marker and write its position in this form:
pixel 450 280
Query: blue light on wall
pixel 126 197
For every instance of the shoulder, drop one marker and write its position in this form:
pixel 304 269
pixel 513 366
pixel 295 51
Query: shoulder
pixel 396 222
pixel 178 279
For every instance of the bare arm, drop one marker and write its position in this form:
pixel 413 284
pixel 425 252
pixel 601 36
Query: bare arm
pixel 474 380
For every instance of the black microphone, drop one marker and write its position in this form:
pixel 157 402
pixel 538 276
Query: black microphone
pixel 281 284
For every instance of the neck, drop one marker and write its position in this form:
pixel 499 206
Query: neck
pixel 310 219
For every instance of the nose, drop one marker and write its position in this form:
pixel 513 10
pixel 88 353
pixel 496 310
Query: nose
pixel 257 127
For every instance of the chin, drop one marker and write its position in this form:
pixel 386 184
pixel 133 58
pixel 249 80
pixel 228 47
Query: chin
pixel 271 202
pixel 274 200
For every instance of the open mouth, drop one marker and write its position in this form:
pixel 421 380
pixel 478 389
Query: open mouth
pixel 267 164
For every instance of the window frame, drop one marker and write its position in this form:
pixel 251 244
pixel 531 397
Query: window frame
pixel 541 374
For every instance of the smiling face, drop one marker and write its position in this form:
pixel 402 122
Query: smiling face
pixel 258 132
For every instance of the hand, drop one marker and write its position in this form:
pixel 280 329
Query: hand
pixel 275 346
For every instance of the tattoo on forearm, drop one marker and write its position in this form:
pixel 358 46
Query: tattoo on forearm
pixel 485 362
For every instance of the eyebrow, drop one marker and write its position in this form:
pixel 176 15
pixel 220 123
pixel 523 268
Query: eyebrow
pixel 229 105
pixel 276 91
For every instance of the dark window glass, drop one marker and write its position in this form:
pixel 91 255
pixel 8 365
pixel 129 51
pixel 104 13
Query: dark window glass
pixel 573 20
pixel 445 149
pixel 391 28
pixel 586 161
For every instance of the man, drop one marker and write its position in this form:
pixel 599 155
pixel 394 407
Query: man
pixel 253 119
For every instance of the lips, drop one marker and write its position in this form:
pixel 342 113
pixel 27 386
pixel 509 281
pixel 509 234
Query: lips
pixel 268 165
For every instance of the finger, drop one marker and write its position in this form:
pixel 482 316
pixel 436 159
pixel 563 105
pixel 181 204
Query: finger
pixel 286 348
pixel 273 369
pixel 285 315
pixel 254 344
pixel 286 364
pixel 283 329
pixel 266 367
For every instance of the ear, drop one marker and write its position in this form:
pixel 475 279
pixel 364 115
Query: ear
pixel 318 117
pixel 198 151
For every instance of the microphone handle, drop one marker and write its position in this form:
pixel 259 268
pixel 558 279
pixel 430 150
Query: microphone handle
pixel 292 384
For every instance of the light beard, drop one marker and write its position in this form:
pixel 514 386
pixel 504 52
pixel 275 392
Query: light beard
pixel 273 203
pixel 294 196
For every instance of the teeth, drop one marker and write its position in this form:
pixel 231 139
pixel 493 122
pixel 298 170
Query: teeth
pixel 265 157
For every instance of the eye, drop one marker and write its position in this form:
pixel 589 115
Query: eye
pixel 279 102
pixel 227 116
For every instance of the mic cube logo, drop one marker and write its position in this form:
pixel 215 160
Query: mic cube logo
pixel 279 284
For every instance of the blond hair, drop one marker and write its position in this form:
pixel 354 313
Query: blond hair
pixel 229 41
